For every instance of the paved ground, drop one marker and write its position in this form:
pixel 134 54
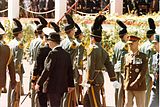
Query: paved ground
pixel 27 103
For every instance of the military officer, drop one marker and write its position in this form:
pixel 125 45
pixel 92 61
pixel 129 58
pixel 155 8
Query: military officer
pixel 120 49
pixel 58 72
pixel 16 46
pixel 38 68
pixel 4 89
pixel 37 42
pixel 147 48
pixel 135 68
pixel 70 45
pixel 34 48
pixel 97 59
pixel 79 62
pixel 154 99
pixel 6 60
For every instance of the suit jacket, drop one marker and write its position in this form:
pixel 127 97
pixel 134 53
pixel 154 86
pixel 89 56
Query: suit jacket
pixel 6 61
pixel 39 63
pixel 58 70
pixel 135 69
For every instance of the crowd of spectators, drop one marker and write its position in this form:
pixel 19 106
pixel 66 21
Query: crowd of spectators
pixel 87 6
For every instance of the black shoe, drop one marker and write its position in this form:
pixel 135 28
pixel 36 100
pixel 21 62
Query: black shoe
pixel 4 90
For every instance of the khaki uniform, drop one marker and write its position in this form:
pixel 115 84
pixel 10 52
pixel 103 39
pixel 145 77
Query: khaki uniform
pixel 135 67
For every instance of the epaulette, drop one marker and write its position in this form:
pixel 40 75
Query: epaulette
pixel 20 45
pixel 43 43
pixel 73 45
pixel 90 49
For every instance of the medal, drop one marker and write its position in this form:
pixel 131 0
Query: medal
pixel 137 70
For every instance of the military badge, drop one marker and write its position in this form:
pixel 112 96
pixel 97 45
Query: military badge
pixel 137 70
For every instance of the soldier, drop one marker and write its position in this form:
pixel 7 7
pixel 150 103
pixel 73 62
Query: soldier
pixel 97 59
pixel 135 68
pixel 16 46
pixel 69 44
pixel 57 72
pixel 154 99
pixel 79 63
pixel 120 49
pixel 4 89
pixel 37 42
pixel 38 68
pixel 147 48
pixel 6 60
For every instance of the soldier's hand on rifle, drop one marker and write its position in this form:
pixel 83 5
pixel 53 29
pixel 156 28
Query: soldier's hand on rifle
pixel 37 87
pixel 70 89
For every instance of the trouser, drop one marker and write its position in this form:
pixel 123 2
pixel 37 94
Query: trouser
pixel 42 98
pixel 119 93
pixel 92 96
pixel 68 100
pixel 54 99
pixel 154 98
pixel 148 90
pixel 78 87
pixel 139 96
pixel 0 91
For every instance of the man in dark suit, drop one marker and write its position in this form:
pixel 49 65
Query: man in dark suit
pixel 6 60
pixel 135 68
pixel 57 72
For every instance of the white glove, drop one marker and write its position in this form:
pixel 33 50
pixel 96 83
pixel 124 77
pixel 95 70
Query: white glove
pixel 116 84
pixel 85 85
pixel 117 66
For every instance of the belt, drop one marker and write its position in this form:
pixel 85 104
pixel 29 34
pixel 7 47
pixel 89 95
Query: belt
pixel 98 70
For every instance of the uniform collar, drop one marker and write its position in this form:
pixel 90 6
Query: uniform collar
pixel 134 54
pixel 56 47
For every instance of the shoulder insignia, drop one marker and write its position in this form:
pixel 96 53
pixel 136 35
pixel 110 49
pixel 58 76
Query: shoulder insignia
pixel 20 45
pixel 73 45
pixel 90 49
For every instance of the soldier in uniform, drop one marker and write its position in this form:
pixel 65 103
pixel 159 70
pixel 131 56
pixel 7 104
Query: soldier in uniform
pixel 16 46
pixel 79 62
pixel 147 48
pixel 97 59
pixel 69 44
pixel 4 89
pixel 6 60
pixel 120 49
pixel 57 72
pixel 135 68
pixel 154 99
